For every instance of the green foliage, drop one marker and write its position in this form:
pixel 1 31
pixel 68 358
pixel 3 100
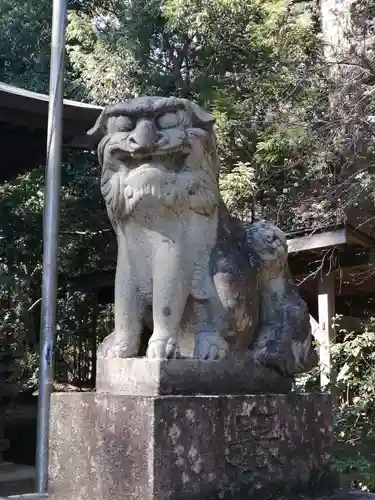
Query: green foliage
pixel 353 360
pixel 86 245
pixel 255 64
pixel 25 29
pixel 238 186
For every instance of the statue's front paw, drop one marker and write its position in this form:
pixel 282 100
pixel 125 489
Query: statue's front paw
pixel 163 349
pixel 118 345
pixel 210 346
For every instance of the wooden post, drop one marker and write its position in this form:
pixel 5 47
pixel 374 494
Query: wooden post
pixel 326 311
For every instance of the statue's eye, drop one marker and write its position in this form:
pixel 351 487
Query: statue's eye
pixel 168 120
pixel 124 124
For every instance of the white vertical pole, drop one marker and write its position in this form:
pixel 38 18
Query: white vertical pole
pixel 326 308
pixel 50 238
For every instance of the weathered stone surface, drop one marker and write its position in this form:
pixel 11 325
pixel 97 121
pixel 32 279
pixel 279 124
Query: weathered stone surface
pixel 185 267
pixel 188 447
pixel 239 374
pixel 283 340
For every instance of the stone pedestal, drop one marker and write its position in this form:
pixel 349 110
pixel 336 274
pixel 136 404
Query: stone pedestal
pixel 238 374
pixel 115 446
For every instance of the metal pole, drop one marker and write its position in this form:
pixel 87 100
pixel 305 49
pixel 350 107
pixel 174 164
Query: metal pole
pixel 50 238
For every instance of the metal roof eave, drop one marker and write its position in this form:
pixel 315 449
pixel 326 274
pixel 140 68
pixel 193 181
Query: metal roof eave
pixel 28 94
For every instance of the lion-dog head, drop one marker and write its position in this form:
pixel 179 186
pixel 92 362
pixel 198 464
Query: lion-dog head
pixel 157 154
pixel 270 246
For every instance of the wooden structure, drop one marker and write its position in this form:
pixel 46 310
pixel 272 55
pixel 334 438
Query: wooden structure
pixel 335 269
pixel 23 128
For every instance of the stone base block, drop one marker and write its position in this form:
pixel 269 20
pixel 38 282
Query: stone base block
pixel 118 447
pixel 152 377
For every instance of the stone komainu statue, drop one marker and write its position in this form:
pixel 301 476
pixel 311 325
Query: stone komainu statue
pixel 185 266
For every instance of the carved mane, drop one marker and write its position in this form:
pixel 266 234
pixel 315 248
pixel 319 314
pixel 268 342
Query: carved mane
pixel 194 183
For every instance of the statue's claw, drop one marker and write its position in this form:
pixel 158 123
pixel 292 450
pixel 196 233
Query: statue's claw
pixel 210 346
pixel 163 349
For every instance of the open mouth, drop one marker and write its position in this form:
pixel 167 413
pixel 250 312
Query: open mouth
pixel 171 160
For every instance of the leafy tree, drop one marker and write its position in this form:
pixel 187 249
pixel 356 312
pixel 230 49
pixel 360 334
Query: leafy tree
pixel 25 30
pixel 25 46
pixel 254 63
pixel 353 390
pixel 86 245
